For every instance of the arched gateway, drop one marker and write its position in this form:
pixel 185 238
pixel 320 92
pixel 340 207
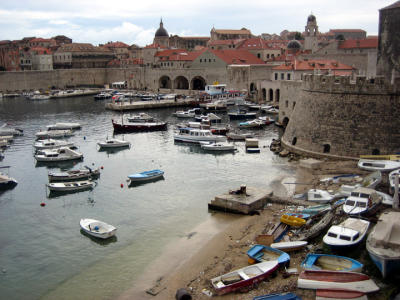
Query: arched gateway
pixel 164 82
pixel 198 83
pixel 181 83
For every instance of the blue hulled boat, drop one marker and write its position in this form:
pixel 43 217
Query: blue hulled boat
pixel 331 262
pixel 146 176
pixel 282 296
pixel 262 253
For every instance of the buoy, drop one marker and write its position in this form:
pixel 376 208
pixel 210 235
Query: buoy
pixel 84 137
pixel 122 185
pixel 102 167
pixel 42 204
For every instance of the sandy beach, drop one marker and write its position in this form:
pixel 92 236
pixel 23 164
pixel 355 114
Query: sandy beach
pixel 210 253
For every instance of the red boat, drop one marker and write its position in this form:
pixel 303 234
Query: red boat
pixel 339 294
pixel 139 126
pixel 336 280
pixel 244 278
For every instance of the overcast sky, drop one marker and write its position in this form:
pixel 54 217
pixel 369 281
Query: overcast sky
pixel 135 21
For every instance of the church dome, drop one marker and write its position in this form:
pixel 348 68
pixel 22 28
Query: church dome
pixel 311 18
pixel 161 31
pixel 294 44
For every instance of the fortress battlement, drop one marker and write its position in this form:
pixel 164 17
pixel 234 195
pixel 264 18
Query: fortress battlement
pixel 345 85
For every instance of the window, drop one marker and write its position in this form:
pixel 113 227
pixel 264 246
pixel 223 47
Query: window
pixel 294 104
pixel 331 234
pixel 345 237
pixel 200 60
pixel 294 141
pixel 287 103
pixel 209 60
pixel 276 76
pixel 327 148
pixel 282 76
pixel 267 55
pixel 258 55
pixel 288 76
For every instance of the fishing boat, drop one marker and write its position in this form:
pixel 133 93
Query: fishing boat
pixel 244 278
pixel 191 113
pixel 292 220
pixel 48 134
pixel 370 181
pixel 331 263
pixel 281 296
pixel 241 114
pixel 383 243
pixel 378 165
pixel 140 117
pixel 7 182
pixel 339 294
pixel 252 124
pixel 336 280
pixel 238 136
pixel 86 173
pixel 139 126
pixel 217 146
pixel 260 253
pixel 64 126
pixel 113 143
pixel 70 186
pixel 60 154
pixel 277 231
pixel 97 228
pixel 320 196
pixel 311 231
pixel 195 135
pixel 146 175
pixel 316 209
pixel 347 234
pixel 51 144
pixel 289 246
pixel 362 201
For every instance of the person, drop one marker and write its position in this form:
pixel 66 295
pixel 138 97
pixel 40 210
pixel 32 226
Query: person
pixel 175 98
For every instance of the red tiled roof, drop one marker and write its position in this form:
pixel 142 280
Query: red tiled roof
pixel 40 50
pixel 155 46
pixel 41 40
pixel 168 52
pixel 320 64
pixel 116 45
pixel 178 55
pixel 237 57
pixel 259 43
pixel 355 44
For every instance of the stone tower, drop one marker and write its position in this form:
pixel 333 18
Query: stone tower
pixel 161 36
pixel 388 61
pixel 310 39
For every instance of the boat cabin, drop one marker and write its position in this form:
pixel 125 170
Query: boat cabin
pixel 194 132
pixel 361 200
pixel 215 89
pixel 344 234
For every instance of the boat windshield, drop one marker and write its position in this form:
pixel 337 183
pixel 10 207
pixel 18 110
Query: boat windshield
pixel 350 202
pixel 345 237
pixel 331 234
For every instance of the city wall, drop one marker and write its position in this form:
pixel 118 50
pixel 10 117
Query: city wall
pixel 337 117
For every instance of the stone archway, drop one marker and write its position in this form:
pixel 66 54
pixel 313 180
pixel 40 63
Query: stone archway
pixel 271 95
pixel 198 83
pixel 277 95
pixel 252 87
pixel 164 82
pixel 181 83
pixel 264 94
pixel 285 122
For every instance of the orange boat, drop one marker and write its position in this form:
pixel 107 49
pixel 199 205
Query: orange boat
pixel 293 220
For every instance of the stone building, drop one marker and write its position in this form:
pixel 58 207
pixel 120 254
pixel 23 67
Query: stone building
pixel 311 34
pixel 187 42
pixel 230 34
pixel 388 62
pixel 261 48
pixel 119 49
pixel 354 34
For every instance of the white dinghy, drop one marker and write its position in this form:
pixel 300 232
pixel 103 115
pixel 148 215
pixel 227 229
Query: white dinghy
pixel 97 228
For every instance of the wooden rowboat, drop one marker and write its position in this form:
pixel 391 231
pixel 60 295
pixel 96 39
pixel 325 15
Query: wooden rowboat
pixel 331 262
pixel 289 246
pixel 261 253
pixel 339 294
pixel 293 221
pixel 336 280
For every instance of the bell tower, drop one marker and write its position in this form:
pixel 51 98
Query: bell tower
pixel 311 39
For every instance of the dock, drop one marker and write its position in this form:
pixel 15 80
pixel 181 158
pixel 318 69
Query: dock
pixel 136 105
pixel 246 200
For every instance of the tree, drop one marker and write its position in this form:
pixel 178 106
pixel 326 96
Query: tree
pixel 298 36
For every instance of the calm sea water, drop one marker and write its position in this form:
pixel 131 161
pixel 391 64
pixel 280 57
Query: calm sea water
pixel 43 254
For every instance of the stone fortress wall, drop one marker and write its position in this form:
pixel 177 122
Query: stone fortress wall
pixel 336 117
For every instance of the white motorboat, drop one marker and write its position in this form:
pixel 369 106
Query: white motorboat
pixel 209 146
pixel 64 126
pixel 272 110
pixel 362 201
pixel 256 123
pixel 102 96
pixel 7 182
pixel 39 97
pixel 238 136
pixel 60 154
pixel 97 228
pixel 141 117
pixel 7 131
pixel 378 165
pixel 349 233
pixel 191 113
pixel 47 134
pixel 383 243
pixel 194 135
pixel 74 174
pixel 113 143
pixel 320 196
pixel 392 176
pixel 70 186
pixel 51 144
pixel 370 181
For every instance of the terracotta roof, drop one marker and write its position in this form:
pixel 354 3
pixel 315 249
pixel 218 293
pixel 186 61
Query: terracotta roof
pixel 178 55
pixel 237 57
pixel 259 44
pixel 81 47
pixel 394 5
pixel 309 65
pixel 41 40
pixel 155 46
pixel 40 50
pixel 346 30
pixel 116 45
pixel 356 44
pixel 168 52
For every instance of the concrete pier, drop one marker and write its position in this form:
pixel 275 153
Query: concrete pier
pixel 237 201
pixel 136 105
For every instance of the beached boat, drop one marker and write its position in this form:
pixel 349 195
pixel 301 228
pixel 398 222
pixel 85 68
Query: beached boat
pixel 370 181
pixel 277 231
pixel 51 144
pixel 217 146
pixel 281 296
pixel 362 201
pixel 86 173
pixel 139 126
pixel 311 231
pixel 195 135
pixel 331 263
pixel 336 280
pixel 320 196
pixel 339 294
pixel 71 186
pixel 97 228
pixel 383 243
pixel 299 215
pixel 113 143
pixel 292 220
pixel 392 176
pixel 48 134
pixel 244 277
pixel 7 182
pixel 347 234
pixel 60 154
pixel 64 126
pixel 260 253
pixel 289 246
pixel 140 117
pixel 316 209
pixel 146 175
pixel 378 165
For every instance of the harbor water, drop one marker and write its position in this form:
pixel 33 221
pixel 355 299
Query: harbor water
pixel 43 253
